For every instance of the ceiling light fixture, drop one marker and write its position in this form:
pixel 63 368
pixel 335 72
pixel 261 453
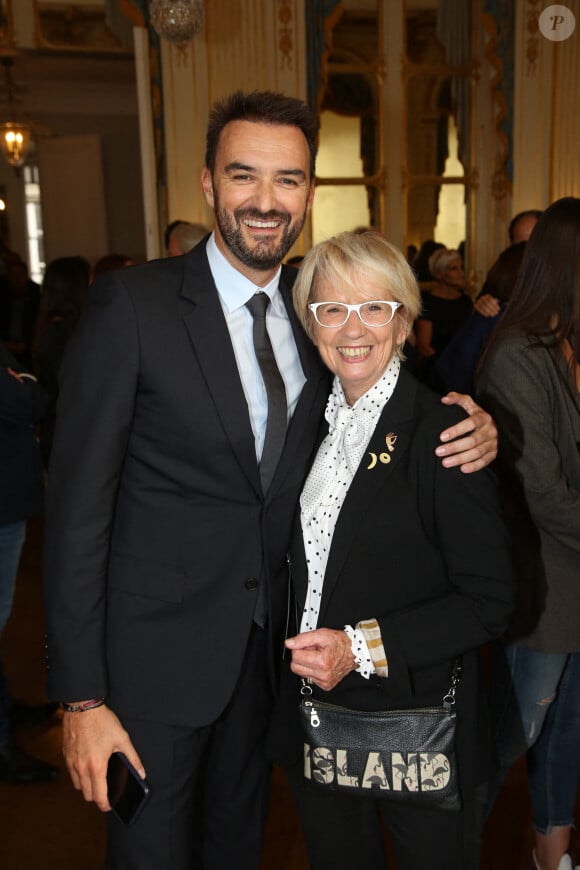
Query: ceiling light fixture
pixel 176 20
pixel 15 136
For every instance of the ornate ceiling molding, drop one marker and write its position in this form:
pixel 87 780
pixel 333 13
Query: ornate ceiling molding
pixel 74 28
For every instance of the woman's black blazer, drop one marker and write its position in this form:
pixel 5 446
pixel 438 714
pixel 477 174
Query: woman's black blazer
pixel 424 550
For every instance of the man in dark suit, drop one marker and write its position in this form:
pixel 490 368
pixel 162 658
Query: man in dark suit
pixel 165 557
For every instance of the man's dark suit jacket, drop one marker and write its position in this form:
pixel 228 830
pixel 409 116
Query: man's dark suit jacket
pixel 424 550
pixel 158 532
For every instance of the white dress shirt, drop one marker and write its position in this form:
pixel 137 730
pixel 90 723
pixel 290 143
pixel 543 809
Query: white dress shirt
pixel 234 291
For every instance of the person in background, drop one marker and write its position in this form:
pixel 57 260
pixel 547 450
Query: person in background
pixel 295 261
pixel 64 294
pixel 420 263
pixel 398 567
pixel 112 261
pixel 444 308
pixel 19 302
pixel 522 224
pixel 21 496
pixel 187 419
pixel 182 236
pixel 455 367
pixel 530 380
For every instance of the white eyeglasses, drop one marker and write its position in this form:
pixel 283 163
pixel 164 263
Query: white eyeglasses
pixel 335 314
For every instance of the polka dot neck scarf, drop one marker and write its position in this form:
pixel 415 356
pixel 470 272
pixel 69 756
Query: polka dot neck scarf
pixel 336 463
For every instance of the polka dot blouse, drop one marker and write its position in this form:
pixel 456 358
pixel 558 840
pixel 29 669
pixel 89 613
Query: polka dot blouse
pixel 337 460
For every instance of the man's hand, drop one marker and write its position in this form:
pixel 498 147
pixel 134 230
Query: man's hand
pixel 89 739
pixel 472 443
pixel 323 656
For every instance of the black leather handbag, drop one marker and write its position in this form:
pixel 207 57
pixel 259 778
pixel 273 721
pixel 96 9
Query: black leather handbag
pixel 406 756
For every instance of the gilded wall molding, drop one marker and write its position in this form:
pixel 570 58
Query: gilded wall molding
pixel 500 180
pixel 286 35
pixel 533 38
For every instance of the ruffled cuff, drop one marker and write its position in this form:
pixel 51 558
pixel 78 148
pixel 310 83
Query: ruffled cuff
pixel 360 651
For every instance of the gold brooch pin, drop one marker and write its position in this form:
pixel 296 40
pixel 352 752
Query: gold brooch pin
pixel 384 458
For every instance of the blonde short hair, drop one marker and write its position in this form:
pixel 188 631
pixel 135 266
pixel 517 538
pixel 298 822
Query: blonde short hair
pixel 354 258
pixel 441 259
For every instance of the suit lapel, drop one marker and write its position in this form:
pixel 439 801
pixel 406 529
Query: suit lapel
pixel 374 472
pixel 309 401
pixel 205 322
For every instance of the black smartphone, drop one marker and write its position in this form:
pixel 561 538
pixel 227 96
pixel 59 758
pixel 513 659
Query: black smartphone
pixel 127 792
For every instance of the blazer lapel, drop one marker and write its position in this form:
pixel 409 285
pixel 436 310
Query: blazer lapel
pixel 211 343
pixel 387 447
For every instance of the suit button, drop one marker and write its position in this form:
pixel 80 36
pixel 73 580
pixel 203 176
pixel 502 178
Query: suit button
pixel 251 584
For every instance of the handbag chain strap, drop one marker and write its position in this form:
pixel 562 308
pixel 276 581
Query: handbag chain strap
pixel 306 693
pixel 449 698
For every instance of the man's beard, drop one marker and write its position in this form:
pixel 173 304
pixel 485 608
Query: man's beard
pixel 266 254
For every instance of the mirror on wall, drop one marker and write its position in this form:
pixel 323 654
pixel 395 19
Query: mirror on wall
pixel 340 204
pixel 436 177
pixel 438 76
pixel 347 184
pixel 436 80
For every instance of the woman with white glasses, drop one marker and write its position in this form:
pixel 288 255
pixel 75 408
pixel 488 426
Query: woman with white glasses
pixel 398 566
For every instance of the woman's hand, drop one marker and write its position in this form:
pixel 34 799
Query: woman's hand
pixel 323 656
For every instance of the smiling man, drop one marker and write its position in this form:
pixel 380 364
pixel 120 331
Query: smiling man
pixel 261 202
pixel 188 413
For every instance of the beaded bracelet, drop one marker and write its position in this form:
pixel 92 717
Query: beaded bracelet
pixel 83 706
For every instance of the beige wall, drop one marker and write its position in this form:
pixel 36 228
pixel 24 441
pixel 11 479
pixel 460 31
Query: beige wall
pixel 547 102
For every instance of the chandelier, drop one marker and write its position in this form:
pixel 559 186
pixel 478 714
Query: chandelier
pixel 176 20
pixel 15 142
pixel 15 136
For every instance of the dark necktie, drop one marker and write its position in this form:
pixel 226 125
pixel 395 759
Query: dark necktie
pixel 277 408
